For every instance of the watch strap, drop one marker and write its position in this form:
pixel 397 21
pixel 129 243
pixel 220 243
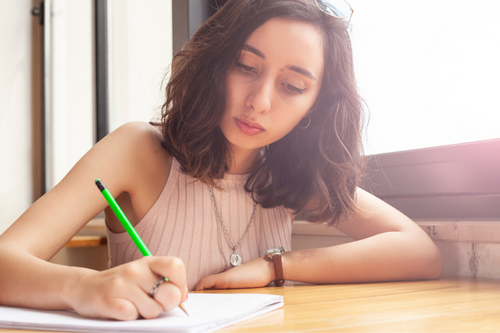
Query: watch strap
pixel 278 269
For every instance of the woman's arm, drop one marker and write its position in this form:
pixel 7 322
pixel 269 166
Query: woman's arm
pixel 123 160
pixel 388 246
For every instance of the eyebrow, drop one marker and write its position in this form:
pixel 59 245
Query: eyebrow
pixel 297 69
pixel 302 71
pixel 254 51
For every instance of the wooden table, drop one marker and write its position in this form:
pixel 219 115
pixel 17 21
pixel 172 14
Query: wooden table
pixel 446 305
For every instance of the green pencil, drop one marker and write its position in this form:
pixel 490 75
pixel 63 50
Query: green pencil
pixel 126 223
pixel 123 219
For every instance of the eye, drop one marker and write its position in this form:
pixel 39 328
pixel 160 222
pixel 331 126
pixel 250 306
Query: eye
pixel 292 90
pixel 245 69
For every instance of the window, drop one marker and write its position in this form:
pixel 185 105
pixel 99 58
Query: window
pixel 429 71
pixel 430 75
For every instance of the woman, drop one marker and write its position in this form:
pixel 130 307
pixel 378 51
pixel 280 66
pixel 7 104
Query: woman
pixel 262 120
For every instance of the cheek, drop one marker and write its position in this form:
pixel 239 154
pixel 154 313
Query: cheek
pixel 232 93
pixel 286 120
pixel 291 115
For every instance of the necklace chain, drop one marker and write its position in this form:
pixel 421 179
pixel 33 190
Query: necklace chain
pixel 234 247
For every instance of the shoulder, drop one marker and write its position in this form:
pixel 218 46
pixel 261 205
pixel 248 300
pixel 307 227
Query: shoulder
pixel 137 134
pixel 141 171
pixel 137 147
pixel 137 138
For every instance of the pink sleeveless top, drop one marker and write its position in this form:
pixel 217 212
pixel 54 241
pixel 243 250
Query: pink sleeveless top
pixel 183 223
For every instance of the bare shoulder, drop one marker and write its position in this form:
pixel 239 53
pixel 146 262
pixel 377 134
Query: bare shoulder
pixel 137 145
pixel 137 135
pixel 148 167
pixel 140 139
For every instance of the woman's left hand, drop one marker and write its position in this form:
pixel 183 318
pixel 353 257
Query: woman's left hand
pixel 253 274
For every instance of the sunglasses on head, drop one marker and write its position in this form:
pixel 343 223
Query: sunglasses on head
pixel 336 8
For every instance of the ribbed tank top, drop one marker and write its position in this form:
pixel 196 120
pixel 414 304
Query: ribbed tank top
pixel 183 223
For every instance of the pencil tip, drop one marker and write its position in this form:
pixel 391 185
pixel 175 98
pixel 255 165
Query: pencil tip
pixel 183 309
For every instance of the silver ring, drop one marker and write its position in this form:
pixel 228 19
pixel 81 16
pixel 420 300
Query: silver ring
pixel 154 290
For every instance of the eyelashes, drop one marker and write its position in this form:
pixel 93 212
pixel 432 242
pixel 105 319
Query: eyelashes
pixel 288 88
pixel 245 68
pixel 293 88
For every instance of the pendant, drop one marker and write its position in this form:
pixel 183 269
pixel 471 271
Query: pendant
pixel 235 259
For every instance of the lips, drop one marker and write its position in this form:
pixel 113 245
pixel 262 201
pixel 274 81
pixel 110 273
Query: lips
pixel 248 127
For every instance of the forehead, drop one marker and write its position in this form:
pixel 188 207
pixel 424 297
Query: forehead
pixel 289 42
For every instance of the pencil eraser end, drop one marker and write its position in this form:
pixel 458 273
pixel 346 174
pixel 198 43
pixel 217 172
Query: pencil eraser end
pixel 100 185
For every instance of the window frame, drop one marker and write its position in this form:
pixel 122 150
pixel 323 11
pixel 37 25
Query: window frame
pixel 459 181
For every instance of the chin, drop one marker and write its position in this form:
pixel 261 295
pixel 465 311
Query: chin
pixel 245 143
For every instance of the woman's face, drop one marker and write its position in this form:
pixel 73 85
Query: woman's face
pixel 274 84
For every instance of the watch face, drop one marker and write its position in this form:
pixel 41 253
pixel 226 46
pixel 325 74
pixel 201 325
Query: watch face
pixel 276 250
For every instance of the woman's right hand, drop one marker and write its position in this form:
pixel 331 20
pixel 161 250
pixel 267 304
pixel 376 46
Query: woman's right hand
pixel 122 292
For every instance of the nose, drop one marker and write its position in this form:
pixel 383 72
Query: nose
pixel 260 96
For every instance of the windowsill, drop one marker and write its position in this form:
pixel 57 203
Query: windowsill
pixel 96 227
pixel 91 235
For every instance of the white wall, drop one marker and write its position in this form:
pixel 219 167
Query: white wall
pixel 140 51
pixel 16 190
pixel 72 84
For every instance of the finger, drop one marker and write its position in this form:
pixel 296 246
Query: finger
pixel 168 296
pixel 124 297
pixel 145 275
pixel 119 309
pixel 146 306
pixel 200 285
pixel 134 283
pixel 211 281
pixel 203 284
pixel 137 272
pixel 172 268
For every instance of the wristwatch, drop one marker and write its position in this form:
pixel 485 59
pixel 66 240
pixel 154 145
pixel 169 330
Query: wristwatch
pixel 274 254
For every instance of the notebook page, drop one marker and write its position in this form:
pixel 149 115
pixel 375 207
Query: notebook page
pixel 207 312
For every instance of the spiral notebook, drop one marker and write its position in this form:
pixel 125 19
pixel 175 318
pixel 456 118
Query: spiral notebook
pixel 207 313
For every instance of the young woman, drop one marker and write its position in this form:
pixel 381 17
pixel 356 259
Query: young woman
pixel 262 120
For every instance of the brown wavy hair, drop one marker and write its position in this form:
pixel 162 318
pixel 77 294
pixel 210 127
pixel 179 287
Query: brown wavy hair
pixel 314 171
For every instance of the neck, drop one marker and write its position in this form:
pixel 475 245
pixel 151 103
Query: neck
pixel 243 160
